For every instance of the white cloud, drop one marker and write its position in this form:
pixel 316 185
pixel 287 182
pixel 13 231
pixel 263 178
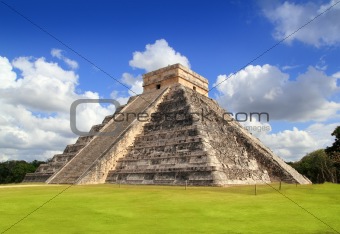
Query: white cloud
pixel 58 54
pixel 290 67
pixel 136 83
pixel 34 114
pixel 41 81
pixel 322 65
pixel 119 97
pixel 305 98
pixel 267 89
pixel 7 76
pixel 156 56
pixel 336 75
pixel 292 145
pixel 287 17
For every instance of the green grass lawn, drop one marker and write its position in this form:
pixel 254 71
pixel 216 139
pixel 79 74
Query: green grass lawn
pixel 158 209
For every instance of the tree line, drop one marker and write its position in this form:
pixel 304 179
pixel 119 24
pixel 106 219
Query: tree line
pixel 319 166
pixel 322 165
pixel 14 171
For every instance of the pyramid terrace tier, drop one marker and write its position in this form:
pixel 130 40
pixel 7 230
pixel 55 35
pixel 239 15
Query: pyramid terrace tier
pixel 172 146
pixel 195 176
pixel 196 156
pixel 89 163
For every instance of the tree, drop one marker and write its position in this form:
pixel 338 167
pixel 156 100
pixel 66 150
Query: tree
pixel 333 152
pixel 15 171
pixel 37 163
pixel 317 167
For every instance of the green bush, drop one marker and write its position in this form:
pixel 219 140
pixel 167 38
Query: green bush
pixel 317 166
pixel 15 171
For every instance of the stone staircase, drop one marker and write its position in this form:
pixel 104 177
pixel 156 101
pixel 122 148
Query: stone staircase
pixel 87 157
pixel 172 136
pixel 178 146
pixel 46 170
pixel 168 160
pixel 169 150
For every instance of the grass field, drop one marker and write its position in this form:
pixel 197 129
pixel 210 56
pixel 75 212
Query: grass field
pixel 158 209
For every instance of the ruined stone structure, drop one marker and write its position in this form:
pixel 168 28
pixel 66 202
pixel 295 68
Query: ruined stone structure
pixel 183 137
pixel 174 74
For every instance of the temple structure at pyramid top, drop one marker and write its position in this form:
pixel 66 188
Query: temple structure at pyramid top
pixel 173 74
pixel 183 138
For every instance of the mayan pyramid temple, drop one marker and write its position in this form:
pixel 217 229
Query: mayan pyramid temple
pixel 171 134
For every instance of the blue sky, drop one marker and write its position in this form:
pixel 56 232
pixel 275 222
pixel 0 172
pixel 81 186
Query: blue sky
pixel 297 82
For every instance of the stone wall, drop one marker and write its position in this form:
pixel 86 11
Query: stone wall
pixel 232 142
pixel 58 161
pixel 186 139
pixel 93 162
pixel 180 146
pixel 168 151
pixel 174 74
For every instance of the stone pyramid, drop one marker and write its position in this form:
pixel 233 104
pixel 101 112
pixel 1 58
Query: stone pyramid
pixel 171 134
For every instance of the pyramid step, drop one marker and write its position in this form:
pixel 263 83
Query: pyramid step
pixel 96 128
pixel 167 150
pixel 84 139
pixel 99 146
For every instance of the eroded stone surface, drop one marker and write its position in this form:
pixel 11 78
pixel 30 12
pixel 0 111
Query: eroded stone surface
pixel 92 163
pixel 175 74
pixel 185 138
pixel 182 143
